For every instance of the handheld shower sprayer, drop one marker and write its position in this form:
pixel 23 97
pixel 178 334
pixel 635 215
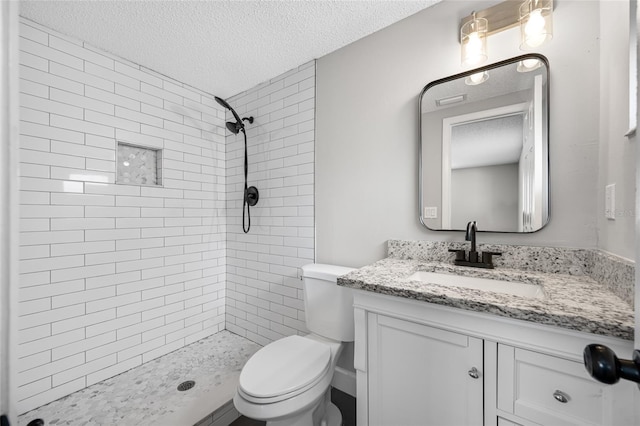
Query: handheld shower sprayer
pixel 238 125
pixel 251 194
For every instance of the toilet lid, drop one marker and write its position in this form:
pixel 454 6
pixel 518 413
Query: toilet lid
pixel 284 366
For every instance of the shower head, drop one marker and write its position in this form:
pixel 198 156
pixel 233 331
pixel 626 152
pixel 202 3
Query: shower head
pixel 235 114
pixel 223 103
pixel 234 127
pixel 238 125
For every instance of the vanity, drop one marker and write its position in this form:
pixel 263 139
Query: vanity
pixel 439 342
pixel 432 352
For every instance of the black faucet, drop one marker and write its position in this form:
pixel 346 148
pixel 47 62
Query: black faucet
pixel 473 260
pixel 470 235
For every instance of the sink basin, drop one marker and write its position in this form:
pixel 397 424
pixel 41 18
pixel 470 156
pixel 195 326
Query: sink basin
pixel 497 286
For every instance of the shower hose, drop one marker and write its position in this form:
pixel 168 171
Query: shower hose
pixel 245 202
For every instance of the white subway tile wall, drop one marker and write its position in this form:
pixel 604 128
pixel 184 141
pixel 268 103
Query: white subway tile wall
pixel 115 275
pixel 264 293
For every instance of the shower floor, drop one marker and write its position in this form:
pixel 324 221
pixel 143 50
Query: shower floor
pixel 147 395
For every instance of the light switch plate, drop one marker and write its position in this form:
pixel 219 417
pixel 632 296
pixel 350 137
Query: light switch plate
pixel 610 201
pixel 430 212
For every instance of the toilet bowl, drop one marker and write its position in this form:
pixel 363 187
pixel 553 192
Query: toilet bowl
pixel 287 383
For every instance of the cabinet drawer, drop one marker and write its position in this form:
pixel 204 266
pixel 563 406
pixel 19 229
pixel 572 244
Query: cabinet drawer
pixel 550 390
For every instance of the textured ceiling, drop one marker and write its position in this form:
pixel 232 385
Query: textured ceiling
pixel 221 47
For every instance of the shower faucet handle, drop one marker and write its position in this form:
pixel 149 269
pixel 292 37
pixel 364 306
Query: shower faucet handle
pixel 251 195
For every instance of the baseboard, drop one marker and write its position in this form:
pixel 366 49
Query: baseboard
pixel 225 415
pixel 344 380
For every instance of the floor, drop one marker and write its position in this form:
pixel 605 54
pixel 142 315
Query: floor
pixel 141 396
pixel 133 397
pixel 345 402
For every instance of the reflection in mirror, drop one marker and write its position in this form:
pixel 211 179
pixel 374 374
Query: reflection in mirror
pixel 484 148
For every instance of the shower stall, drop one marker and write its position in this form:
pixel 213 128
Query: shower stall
pixel 129 239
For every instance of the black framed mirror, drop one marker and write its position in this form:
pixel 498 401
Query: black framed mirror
pixel 484 148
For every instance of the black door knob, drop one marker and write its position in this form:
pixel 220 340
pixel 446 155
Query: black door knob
pixel 603 365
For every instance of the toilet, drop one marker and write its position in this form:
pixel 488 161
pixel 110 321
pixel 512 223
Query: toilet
pixel 287 382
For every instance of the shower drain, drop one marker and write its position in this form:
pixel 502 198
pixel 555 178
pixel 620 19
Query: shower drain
pixel 185 386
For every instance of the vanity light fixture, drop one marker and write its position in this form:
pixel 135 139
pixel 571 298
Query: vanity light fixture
pixel 533 16
pixel 473 37
pixel 477 78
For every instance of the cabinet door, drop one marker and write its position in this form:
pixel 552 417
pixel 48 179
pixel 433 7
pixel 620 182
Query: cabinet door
pixel 420 375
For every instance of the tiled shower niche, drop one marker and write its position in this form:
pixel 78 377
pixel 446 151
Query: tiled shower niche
pixel 139 165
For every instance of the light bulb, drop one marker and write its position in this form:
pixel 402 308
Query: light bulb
pixel 477 77
pixel 474 42
pixel 527 65
pixel 534 29
pixel 474 49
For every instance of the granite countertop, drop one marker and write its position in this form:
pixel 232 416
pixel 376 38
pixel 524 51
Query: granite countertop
pixel 575 302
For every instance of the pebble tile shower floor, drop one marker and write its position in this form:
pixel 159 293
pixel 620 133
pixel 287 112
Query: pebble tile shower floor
pixel 148 395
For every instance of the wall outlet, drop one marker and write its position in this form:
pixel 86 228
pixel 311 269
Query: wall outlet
pixel 430 212
pixel 610 201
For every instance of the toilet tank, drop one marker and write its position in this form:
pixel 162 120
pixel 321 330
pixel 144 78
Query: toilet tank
pixel 328 306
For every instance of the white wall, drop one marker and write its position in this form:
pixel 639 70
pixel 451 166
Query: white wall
pixel 367 130
pixel 112 275
pixel 617 152
pixel 264 293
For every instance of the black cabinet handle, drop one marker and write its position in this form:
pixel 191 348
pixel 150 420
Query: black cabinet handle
pixel 604 366
pixel 460 254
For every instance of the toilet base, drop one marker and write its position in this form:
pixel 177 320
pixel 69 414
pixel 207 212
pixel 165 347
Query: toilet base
pixel 325 413
pixel 334 416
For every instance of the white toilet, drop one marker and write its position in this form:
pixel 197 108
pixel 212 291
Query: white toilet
pixel 288 381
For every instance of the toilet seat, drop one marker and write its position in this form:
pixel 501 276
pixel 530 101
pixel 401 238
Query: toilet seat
pixel 284 369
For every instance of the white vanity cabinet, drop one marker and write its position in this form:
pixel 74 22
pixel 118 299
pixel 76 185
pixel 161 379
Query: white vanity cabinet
pixel 421 375
pixel 424 364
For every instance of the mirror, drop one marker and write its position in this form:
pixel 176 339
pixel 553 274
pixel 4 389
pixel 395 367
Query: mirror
pixel 484 148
